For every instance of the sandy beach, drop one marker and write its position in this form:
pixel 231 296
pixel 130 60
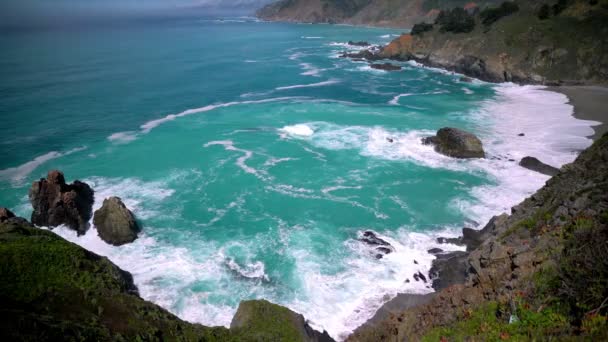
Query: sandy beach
pixel 590 103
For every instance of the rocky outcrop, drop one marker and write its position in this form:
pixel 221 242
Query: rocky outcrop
pixel 54 290
pixel 380 246
pixel 534 164
pixel 519 47
pixel 56 203
pixel 456 143
pixel 259 318
pixel 532 263
pixel 361 43
pixel 115 223
pixel 385 66
pixel 5 214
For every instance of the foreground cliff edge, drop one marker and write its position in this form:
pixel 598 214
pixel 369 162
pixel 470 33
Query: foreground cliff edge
pixel 540 273
pixel 54 290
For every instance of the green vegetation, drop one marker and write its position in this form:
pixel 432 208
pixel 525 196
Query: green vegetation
pixel 420 28
pixel 492 323
pixel 456 20
pixel 54 290
pixel 544 12
pixel 491 15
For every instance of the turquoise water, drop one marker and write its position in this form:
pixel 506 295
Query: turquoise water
pixel 254 157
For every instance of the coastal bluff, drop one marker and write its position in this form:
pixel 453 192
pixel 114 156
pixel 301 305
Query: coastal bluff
pixel 567 46
pixel 54 290
pixel 536 274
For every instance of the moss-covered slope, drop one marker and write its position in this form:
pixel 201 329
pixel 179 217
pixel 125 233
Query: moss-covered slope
pixel 54 290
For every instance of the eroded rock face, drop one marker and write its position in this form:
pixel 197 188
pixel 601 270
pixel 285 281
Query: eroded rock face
pixel 115 223
pixel 456 143
pixel 534 164
pixel 56 203
pixel 5 214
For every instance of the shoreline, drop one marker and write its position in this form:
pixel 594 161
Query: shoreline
pixel 589 104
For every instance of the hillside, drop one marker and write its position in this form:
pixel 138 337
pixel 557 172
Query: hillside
pixel 540 273
pixel 390 13
pixel 540 42
pixel 54 290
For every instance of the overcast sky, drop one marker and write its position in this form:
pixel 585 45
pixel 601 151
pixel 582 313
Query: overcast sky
pixel 28 12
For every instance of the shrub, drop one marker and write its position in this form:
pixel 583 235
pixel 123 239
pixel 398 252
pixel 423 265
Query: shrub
pixel 491 15
pixel 456 20
pixel 421 28
pixel 560 6
pixel 544 12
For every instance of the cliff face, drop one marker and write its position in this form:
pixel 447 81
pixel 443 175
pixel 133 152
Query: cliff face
pixel 389 13
pixel 54 290
pixel 568 46
pixel 540 273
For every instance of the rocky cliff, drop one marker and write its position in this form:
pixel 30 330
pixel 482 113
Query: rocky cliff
pixel 540 273
pixel 389 13
pixel 54 290
pixel 538 42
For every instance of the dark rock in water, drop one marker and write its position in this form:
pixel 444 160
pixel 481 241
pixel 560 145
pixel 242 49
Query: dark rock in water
pixel 385 67
pixel 415 262
pixel 115 223
pixel 364 54
pixel 390 140
pixel 521 135
pixel 419 276
pixel 435 251
pixel 361 43
pixel 256 315
pixel 381 247
pixel 370 238
pixel 466 79
pixel 456 143
pixel 5 214
pixel 407 281
pixel 453 241
pixel 534 164
pixel 56 203
pixel 384 250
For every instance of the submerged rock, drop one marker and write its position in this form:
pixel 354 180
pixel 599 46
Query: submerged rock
pixel 56 203
pixel 115 223
pixel 382 247
pixel 385 67
pixel 456 143
pixel 365 54
pixel 361 43
pixel 534 164
pixel 273 322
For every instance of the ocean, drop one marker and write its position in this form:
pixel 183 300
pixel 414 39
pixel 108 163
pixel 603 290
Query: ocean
pixel 254 157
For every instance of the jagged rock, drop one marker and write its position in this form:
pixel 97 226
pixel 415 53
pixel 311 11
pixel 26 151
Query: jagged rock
pixel 5 214
pixel 450 268
pixel 456 143
pixel 364 54
pixel 435 251
pixel 264 319
pixel 385 67
pixel 419 276
pixel 56 203
pixel 534 164
pixel 361 43
pixel 115 223
pixel 370 238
